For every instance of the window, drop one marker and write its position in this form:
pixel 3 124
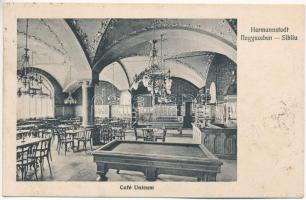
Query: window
pixel 36 106
pixel 213 92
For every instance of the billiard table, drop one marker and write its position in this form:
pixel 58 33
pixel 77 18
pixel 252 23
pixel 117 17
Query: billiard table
pixel 154 158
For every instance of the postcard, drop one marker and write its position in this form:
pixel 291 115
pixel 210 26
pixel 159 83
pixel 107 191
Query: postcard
pixel 153 100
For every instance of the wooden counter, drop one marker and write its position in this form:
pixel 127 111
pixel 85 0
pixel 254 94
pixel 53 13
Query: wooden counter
pixel 222 142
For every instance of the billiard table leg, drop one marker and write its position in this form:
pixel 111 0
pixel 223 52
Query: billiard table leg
pixel 101 177
pixel 102 171
pixel 207 177
pixel 150 174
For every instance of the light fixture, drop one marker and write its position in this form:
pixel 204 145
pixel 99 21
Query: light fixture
pixel 113 98
pixel 70 100
pixel 30 82
pixel 157 81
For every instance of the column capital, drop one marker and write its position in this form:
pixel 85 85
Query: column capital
pixel 85 83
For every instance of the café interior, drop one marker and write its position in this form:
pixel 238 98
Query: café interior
pixel 160 89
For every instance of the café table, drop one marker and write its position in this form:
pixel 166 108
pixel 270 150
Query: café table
pixel 22 133
pixel 28 141
pixel 44 132
pixel 73 133
pixel 34 121
pixel 52 120
pixel 28 126
pixel 64 126
pixel 114 123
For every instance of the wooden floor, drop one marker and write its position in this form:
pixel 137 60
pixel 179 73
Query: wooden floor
pixel 81 167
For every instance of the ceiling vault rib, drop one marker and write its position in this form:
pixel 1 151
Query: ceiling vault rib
pixel 233 25
pixel 39 40
pixel 124 69
pixel 185 64
pixel 102 38
pixel 80 42
pixel 98 61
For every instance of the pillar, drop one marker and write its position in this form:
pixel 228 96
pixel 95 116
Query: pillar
pixel 88 109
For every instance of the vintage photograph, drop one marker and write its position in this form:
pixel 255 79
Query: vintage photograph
pixel 122 99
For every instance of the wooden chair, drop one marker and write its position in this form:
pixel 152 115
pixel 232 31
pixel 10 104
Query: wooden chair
pixel 118 134
pixel 161 137
pixel 26 159
pixel 105 134
pixel 137 136
pixel 34 132
pixel 63 139
pixel 44 152
pixel 148 135
pixel 84 136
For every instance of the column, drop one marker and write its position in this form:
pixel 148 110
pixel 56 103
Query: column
pixel 88 109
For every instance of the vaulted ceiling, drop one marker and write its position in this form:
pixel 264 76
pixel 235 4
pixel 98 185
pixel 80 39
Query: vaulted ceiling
pixel 117 49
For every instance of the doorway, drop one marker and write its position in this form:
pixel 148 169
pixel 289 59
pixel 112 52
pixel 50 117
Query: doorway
pixel 188 115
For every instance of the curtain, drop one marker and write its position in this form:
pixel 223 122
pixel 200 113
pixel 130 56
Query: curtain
pixel 34 106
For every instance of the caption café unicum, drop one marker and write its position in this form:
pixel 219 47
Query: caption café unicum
pixel 136 187
pixel 126 100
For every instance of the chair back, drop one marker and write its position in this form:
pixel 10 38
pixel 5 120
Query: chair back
pixel 26 154
pixel 61 134
pixel 86 133
pixel 56 131
pixel 34 132
pixel 44 147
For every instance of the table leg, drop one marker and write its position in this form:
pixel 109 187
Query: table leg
pixel 101 177
pixel 102 171
pixel 72 143
pixel 180 131
pixel 151 174
pixel 207 177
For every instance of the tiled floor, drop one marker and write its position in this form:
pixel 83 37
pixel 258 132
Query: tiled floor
pixel 81 167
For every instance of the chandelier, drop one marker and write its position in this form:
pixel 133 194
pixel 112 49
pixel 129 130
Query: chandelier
pixel 29 81
pixel 113 98
pixel 155 78
pixel 70 100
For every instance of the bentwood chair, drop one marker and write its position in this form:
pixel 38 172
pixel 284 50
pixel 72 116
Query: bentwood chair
pixel 148 134
pixel 137 136
pixel 64 140
pixel 118 133
pixel 105 134
pixel 84 136
pixel 26 160
pixel 34 132
pixel 162 136
pixel 44 152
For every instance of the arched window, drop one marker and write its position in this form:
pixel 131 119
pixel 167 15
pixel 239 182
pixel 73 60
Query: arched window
pixel 213 92
pixel 38 105
pixel 125 98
